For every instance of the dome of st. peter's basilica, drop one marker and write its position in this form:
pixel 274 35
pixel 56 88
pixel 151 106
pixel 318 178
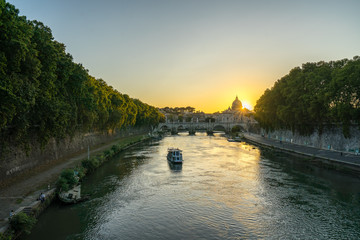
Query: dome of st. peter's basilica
pixel 236 105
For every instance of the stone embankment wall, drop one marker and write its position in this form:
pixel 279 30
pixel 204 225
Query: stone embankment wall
pixel 331 138
pixel 16 160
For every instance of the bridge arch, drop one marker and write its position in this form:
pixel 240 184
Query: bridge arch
pixel 164 128
pixel 181 128
pixel 237 128
pixel 219 127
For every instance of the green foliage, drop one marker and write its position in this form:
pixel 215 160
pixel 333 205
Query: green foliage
pixel 67 180
pixel 80 172
pixel 116 148
pixel 4 236
pixel 44 94
pixel 90 164
pixel 313 96
pixel 70 177
pixel 22 222
pixel 94 162
pixel 109 153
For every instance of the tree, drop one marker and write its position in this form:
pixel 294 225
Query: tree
pixel 44 94
pixel 310 97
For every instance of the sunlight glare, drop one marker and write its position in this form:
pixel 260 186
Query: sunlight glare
pixel 246 104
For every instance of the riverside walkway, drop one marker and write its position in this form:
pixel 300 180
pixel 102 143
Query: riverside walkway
pixel 334 156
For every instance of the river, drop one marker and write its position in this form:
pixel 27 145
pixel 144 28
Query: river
pixel 223 190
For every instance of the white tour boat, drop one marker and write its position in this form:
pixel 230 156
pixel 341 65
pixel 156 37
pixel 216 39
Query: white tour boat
pixel 175 155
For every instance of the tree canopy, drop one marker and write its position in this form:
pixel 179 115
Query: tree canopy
pixel 313 96
pixel 45 94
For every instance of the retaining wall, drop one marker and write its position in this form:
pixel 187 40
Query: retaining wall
pixel 16 160
pixel 331 138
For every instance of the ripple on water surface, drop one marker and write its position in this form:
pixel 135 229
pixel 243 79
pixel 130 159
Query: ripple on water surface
pixel 223 190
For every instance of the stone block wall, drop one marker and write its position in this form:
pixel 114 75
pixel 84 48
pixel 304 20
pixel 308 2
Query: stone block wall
pixel 16 160
pixel 331 138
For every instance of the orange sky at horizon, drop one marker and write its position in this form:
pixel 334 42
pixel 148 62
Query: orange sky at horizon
pixel 218 106
pixel 217 96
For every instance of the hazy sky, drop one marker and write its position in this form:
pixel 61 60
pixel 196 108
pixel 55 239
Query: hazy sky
pixel 198 53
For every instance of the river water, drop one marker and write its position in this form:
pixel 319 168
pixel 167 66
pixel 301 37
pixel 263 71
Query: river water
pixel 223 190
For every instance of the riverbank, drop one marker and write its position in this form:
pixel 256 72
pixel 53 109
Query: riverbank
pixel 336 158
pixel 24 190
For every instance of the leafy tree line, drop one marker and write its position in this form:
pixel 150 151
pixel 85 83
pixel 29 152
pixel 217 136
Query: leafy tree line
pixel 313 96
pixel 44 94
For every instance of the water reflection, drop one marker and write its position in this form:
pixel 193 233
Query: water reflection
pixel 223 190
pixel 175 167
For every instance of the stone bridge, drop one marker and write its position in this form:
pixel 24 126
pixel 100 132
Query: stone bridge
pixel 209 127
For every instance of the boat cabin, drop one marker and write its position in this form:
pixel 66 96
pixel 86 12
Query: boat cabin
pixel 175 155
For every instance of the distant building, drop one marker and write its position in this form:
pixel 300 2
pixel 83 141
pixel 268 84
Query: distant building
pixel 236 105
pixel 235 113
pixel 235 108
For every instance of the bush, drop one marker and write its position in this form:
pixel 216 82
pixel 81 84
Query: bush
pixel 5 237
pixel 101 159
pixel 22 222
pixel 62 185
pixel 116 148
pixel 90 164
pixel 106 153
pixel 80 171
pixel 109 153
pixel 66 180
pixel 94 162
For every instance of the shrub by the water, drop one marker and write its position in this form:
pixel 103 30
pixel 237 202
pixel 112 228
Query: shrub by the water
pixel 90 164
pixel 109 153
pixel 116 148
pixel 5 237
pixel 22 222
pixel 80 171
pixel 94 162
pixel 67 180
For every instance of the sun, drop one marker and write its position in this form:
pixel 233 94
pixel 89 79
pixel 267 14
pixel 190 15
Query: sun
pixel 247 105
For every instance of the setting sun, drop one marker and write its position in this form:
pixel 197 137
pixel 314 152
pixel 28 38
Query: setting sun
pixel 247 105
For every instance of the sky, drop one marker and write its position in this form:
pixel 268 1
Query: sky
pixel 199 53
